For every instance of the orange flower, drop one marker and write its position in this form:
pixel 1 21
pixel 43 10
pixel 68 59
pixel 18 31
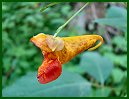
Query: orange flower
pixel 58 51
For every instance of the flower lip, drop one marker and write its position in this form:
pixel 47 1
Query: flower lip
pixel 49 71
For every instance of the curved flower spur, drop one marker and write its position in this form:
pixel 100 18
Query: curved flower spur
pixel 58 51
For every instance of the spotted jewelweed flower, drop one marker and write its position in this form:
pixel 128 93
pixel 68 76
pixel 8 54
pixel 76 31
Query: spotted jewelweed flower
pixel 58 51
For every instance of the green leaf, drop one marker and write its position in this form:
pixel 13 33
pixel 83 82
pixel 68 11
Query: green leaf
pixel 125 74
pixel 116 11
pixel 117 59
pixel 65 10
pixel 105 48
pixel 68 84
pixel 115 17
pixel 97 66
pixel 58 21
pixel 120 42
pixel 114 22
pixel 117 75
pixel 74 68
pixel 102 92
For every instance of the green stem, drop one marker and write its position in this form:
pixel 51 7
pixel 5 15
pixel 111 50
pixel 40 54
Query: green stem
pixel 62 26
pixel 49 5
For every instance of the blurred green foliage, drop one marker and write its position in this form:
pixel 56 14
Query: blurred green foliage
pixel 100 73
pixel 116 17
pixel 77 86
